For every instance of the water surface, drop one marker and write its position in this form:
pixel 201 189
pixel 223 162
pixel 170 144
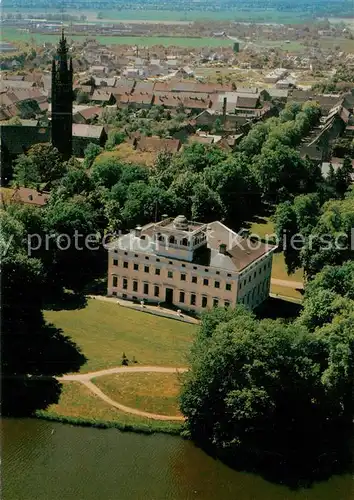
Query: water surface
pixel 50 461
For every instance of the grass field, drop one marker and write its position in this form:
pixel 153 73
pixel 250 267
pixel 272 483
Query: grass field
pixel 151 392
pixel 265 227
pixel 78 402
pixel 284 291
pixel 279 270
pixel 236 14
pixel 12 34
pixel 105 330
pixel 126 153
pixel 262 227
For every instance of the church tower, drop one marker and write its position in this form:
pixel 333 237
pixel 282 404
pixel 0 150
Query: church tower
pixel 62 99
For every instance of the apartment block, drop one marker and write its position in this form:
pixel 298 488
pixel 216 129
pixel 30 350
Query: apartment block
pixel 191 265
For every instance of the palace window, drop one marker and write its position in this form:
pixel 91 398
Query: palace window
pixel 215 303
pixel 115 262
pixel 136 267
pixel 125 265
pixel 205 281
pixel 183 277
pixel 228 287
pixel 181 297
pixel 194 279
pixel 156 291
pixel 193 299
pixel 135 286
pixel 170 274
pixel 146 269
pixel 146 288
pixel 217 284
pixel 125 284
pixel 115 281
pixel 157 271
pixel 204 301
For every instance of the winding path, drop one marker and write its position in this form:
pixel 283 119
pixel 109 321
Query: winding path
pixel 85 379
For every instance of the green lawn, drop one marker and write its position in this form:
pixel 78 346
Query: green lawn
pixel 262 228
pixel 151 392
pixel 78 404
pixel 280 272
pixel 238 13
pixel 105 330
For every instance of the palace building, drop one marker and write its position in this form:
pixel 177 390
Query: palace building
pixel 190 265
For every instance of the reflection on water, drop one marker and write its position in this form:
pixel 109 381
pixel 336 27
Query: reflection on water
pixel 49 461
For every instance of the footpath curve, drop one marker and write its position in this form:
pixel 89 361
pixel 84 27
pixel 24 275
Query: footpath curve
pixel 85 379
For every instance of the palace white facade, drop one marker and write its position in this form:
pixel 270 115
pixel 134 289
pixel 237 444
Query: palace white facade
pixel 190 265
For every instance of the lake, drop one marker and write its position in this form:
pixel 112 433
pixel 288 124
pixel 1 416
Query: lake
pixel 51 461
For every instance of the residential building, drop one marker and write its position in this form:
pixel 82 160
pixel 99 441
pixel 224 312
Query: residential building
pixel 191 265
pixel 83 135
pixel 29 196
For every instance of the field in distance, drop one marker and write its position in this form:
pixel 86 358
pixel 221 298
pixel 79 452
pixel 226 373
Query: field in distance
pixel 236 14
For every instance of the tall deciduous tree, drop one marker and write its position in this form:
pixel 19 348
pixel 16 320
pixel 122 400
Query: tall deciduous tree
pixel 267 394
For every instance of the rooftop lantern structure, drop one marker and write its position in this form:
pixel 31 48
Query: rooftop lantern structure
pixel 181 223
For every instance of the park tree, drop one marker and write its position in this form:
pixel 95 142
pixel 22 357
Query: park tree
pixel 115 137
pixel 290 111
pixel 235 184
pixel 145 203
pixel 28 345
pixel 47 162
pixel 82 97
pixel 252 144
pixel 206 204
pixel 106 171
pixel 74 182
pixel 280 170
pixel 196 157
pixel 342 177
pixel 74 242
pixel 337 279
pixel 25 172
pixel 329 240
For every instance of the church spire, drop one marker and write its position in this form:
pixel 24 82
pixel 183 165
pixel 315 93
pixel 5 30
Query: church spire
pixel 62 97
